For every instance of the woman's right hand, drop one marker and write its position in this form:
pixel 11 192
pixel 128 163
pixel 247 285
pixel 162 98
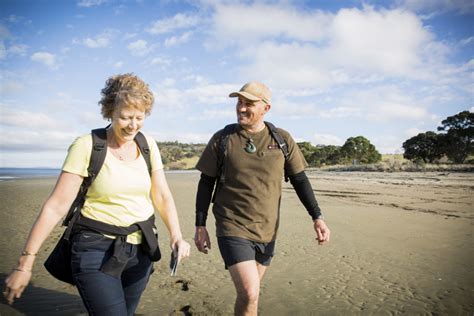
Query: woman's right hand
pixel 15 284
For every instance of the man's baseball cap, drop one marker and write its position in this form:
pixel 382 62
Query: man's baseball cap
pixel 254 91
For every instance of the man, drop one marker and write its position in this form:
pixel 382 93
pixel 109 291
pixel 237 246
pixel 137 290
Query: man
pixel 248 163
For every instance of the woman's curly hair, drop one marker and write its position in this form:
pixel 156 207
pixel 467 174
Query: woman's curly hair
pixel 126 89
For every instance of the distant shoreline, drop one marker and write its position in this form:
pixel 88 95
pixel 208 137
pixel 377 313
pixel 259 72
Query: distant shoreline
pixel 26 173
pixel 7 174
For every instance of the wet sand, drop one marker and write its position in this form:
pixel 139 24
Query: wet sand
pixel 402 243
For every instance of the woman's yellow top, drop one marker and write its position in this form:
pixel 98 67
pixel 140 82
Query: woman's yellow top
pixel 120 194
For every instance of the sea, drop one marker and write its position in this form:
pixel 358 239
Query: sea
pixel 18 173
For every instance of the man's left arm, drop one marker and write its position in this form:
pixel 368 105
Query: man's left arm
pixel 302 186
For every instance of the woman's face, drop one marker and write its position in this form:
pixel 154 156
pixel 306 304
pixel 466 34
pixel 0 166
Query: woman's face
pixel 126 122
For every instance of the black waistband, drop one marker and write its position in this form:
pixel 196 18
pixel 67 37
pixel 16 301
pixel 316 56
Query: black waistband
pixel 116 263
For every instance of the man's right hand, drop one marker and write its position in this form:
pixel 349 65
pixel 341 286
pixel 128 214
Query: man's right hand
pixel 201 239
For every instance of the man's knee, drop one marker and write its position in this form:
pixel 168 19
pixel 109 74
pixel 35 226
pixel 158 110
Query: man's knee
pixel 248 295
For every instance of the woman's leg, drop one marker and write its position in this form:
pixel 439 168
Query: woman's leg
pixel 135 278
pixel 101 293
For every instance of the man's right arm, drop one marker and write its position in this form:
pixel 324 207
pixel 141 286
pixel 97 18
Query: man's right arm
pixel 203 200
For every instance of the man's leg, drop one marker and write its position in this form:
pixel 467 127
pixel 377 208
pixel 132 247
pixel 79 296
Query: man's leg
pixel 246 277
pixel 261 271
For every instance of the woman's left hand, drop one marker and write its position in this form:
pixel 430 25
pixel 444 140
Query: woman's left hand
pixel 182 248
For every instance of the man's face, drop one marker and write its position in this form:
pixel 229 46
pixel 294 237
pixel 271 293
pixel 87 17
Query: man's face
pixel 250 113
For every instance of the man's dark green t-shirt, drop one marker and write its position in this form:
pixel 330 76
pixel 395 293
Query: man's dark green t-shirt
pixel 248 204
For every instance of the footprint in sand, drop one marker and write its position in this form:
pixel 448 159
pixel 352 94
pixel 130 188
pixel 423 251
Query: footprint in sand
pixel 184 284
pixel 185 310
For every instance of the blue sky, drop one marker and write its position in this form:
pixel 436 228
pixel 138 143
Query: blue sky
pixel 386 70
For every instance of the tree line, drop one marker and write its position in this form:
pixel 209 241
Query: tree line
pixel 454 141
pixel 356 150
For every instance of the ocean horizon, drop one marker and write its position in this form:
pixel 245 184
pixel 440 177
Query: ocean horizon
pixel 16 173
pixel 19 173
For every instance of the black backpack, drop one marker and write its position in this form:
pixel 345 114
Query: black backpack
pixel 222 152
pixel 58 263
pixel 98 153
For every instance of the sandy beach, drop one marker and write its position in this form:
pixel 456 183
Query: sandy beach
pixel 402 243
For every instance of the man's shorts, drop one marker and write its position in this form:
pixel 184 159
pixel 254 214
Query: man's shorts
pixel 235 250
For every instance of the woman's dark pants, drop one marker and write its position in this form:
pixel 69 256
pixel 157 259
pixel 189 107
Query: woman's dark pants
pixel 101 293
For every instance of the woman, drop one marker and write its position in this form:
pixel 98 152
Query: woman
pixel 122 194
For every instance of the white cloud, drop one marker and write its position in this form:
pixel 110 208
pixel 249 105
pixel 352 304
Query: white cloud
pixel 413 132
pixel 120 9
pixel 31 140
pixel 194 138
pixel 12 18
pixel 3 51
pixel 288 65
pixel 168 82
pixel 160 61
pixel 118 64
pixel 89 118
pixel 390 41
pixel 103 39
pixel 176 101
pixel 179 21
pixel 128 36
pixel 321 50
pixel 139 48
pixel 11 87
pixel 169 98
pixel 4 32
pixel 90 3
pixel 378 104
pixel 388 144
pixel 65 49
pixel 15 118
pixel 210 93
pixel 389 110
pixel 289 108
pixel 176 40
pixel 45 58
pixel 213 114
pixel 467 41
pixel 327 139
pixel 19 49
pixel 195 78
pixel 255 22
pixel 341 112
pixel 463 6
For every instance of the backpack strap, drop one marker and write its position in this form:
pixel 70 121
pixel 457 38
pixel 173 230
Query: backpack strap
pixel 97 158
pixel 98 153
pixel 222 151
pixel 221 154
pixel 142 144
pixel 281 143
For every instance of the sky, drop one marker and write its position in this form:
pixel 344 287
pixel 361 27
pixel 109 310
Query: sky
pixel 386 70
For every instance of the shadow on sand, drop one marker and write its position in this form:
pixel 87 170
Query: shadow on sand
pixel 40 301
